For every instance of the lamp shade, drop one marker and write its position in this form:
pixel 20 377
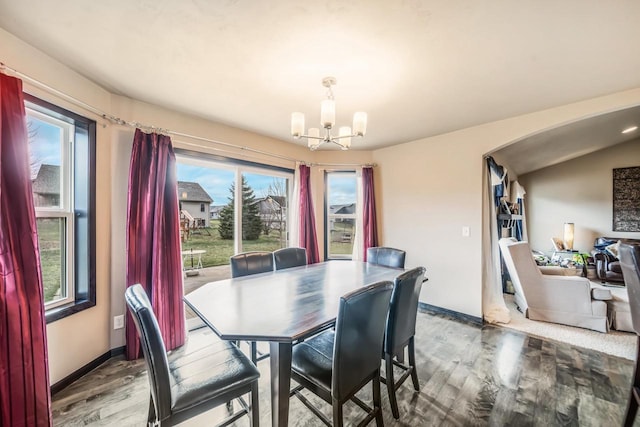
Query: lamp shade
pixel 313 132
pixel 297 124
pixel 359 123
pixel 344 137
pixel 327 113
pixel 569 229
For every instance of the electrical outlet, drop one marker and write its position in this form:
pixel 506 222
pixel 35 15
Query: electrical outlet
pixel 118 322
pixel 465 231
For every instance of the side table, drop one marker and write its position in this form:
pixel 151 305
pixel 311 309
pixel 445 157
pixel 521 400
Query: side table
pixel 190 253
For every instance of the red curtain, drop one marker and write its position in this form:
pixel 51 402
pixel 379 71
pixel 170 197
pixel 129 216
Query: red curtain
pixel 369 210
pixel 25 398
pixel 153 237
pixel 308 238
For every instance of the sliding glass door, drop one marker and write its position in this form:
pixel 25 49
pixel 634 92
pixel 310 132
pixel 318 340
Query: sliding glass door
pixel 228 207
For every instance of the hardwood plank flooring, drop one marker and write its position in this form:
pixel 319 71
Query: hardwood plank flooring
pixel 469 376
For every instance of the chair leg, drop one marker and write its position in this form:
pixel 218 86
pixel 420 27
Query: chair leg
pixel 337 414
pixel 632 406
pixel 151 418
pixel 254 352
pixel 377 400
pixel 255 408
pixel 412 363
pixel 632 409
pixel 391 385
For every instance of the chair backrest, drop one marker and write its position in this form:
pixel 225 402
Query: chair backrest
pixel 248 263
pixel 389 257
pixel 359 334
pixel 290 257
pixel 522 268
pixel 630 262
pixel 155 354
pixel 403 309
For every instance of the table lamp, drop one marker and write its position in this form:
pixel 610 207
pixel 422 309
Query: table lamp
pixel 569 229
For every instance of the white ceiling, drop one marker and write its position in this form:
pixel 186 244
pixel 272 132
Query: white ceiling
pixel 570 141
pixel 419 68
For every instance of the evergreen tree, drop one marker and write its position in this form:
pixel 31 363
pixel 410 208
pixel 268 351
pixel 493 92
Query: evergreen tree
pixel 225 228
pixel 251 222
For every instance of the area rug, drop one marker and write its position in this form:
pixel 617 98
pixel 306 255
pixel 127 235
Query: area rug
pixel 621 344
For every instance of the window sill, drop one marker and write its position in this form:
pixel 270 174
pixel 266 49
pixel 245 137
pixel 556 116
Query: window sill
pixel 67 310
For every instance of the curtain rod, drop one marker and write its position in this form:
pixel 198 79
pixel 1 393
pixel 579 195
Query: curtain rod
pixel 117 120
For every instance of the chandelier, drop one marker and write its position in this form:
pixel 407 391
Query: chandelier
pixel 327 121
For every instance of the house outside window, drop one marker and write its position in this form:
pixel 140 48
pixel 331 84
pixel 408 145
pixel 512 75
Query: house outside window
pixel 340 214
pixel 62 162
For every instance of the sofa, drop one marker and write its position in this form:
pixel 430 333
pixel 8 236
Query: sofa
pixel 605 257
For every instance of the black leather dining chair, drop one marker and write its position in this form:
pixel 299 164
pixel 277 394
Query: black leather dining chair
pixel 389 257
pixel 629 255
pixel 289 257
pixel 400 332
pixel 209 376
pixel 248 263
pixel 335 365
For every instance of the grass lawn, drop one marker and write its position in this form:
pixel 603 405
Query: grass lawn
pixel 49 241
pixel 219 250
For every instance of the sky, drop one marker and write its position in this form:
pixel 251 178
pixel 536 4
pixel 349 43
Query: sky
pixel 216 182
pixel 44 143
pixel 342 189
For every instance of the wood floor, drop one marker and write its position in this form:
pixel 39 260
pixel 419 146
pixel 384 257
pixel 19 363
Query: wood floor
pixel 469 376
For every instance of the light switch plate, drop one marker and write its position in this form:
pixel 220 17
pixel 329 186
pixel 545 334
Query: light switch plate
pixel 465 231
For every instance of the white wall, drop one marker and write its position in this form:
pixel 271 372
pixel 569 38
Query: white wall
pixel 578 191
pixel 430 188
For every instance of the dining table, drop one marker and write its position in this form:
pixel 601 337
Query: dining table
pixel 282 307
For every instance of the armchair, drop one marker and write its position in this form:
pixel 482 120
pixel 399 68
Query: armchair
pixel 567 300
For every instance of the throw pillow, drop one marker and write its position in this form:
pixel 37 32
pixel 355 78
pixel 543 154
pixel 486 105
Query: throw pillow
pixel 613 249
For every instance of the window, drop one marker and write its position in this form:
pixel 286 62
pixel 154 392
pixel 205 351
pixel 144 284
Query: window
pixel 62 161
pixel 247 209
pixel 340 214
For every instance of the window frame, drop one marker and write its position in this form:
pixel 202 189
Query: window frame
pixel 65 205
pixel 79 203
pixel 328 216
